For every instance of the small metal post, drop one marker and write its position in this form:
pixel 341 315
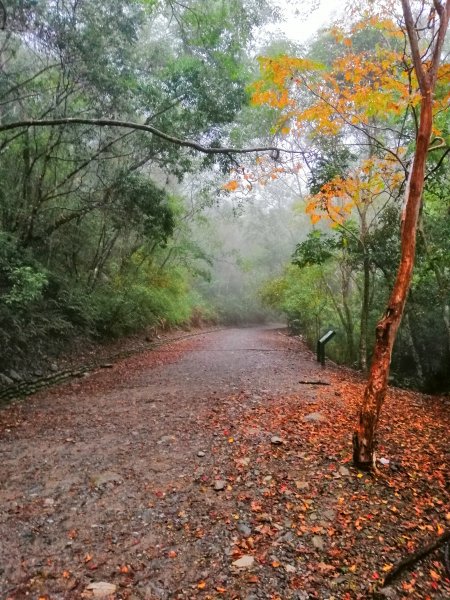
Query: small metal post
pixel 321 346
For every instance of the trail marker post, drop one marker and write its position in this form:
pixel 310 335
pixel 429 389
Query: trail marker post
pixel 321 346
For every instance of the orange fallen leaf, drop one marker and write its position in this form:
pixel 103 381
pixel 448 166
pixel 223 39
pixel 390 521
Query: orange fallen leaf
pixel 434 575
pixel 407 586
pixel 87 558
pixel 276 564
pixel 172 554
pixel 66 574
pixel 201 585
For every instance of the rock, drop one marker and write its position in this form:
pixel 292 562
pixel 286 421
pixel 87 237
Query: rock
pixel 49 502
pixel 264 518
pixel 53 367
pixel 5 379
pixel 107 366
pixel 220 485
pixel 101 589
pixel 245 562
pixel 155 591
pixel 318 542
pixel 276 441
pixel 15 375
pixel 107 477
pixel 244 529
pixel 302 485
pixel 384 461
pixel 200 453
pixel 315 417
pixel 301 596
pixel 148 515
pixel 344 471
pixel 288 537
pixel 330 515
pixel 290 569
pixel 166 439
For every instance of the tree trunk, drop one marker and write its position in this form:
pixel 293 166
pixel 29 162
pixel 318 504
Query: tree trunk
pixel 365 305
pixel 442 285
pixel 364 436
pixel 348 317
pixel 344 316
pixel 414 350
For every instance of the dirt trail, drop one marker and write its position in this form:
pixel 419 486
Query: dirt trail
pixel 103 466
pixel 157 475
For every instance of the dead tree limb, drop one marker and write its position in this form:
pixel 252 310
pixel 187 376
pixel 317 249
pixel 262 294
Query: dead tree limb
pixel 411 560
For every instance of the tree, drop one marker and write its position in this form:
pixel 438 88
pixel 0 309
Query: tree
pixel 378 91
pixel 103 109
pixel 426 69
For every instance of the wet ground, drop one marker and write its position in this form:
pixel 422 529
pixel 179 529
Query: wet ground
pixel 95 474
pixel 218 466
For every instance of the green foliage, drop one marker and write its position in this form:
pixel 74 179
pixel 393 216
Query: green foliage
pixel 302 295
pixel 26 287
pixel 331 159
pixel 93 240
pixel 315 250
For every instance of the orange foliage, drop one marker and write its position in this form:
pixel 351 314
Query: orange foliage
pixel 359 86
pixel 337 198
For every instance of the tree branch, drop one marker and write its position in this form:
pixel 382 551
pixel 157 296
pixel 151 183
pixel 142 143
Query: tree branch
pixel 416 556
pixel 414 44
pixel 438 164
pixel 139 127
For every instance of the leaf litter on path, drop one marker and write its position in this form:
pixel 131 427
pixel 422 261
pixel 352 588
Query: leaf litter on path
pixel 219 509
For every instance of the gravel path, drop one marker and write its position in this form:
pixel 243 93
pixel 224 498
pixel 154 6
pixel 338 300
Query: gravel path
pixel 111 478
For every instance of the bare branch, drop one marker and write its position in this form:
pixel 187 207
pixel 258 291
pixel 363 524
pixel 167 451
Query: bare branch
pixel 414 44
pixel 139 127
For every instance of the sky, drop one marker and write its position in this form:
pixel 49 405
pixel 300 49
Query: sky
pixel 300 23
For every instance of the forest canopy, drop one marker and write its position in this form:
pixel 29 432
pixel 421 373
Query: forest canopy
pixel 106 230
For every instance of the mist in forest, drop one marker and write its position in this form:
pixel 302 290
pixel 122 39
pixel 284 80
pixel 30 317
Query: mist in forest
pixel 248 241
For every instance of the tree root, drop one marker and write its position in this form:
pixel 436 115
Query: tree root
pixel 418 555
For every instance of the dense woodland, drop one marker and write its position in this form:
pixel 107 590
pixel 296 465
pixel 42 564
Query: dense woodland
pixel 110 230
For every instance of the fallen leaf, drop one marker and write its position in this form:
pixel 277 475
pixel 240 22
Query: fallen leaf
pixel 434 575
pixel 276 564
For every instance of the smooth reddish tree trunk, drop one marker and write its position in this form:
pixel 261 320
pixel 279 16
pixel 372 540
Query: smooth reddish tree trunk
pixel 386 331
